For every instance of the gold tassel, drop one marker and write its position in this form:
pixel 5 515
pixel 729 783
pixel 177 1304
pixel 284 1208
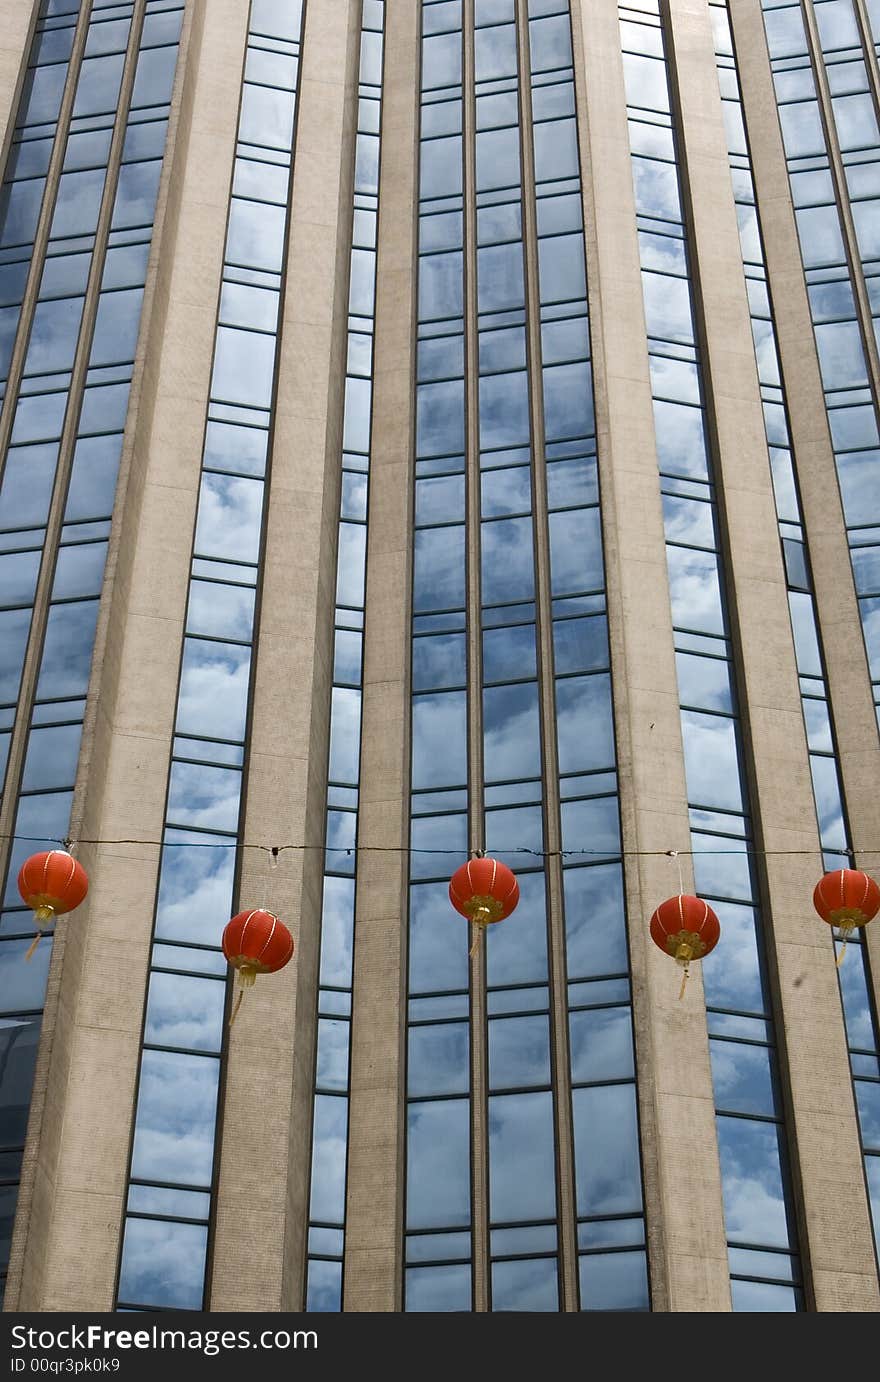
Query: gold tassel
pixel 237 1006
pixel 841 955
pixel 475 946
pixel 684 979
pixel 33 945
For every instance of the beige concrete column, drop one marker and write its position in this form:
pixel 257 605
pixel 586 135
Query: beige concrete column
pixel 67 1235
pixel 687 1252
pixel 373 1271
pixel 847 675
pixel 836 1230
pixel 17 20
pixel 262 1202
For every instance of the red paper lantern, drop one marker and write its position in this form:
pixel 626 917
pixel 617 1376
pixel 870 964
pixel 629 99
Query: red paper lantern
pixel 484 891
pixel 51 883
pixel 255 943
pixel 686 928
pixel 846 898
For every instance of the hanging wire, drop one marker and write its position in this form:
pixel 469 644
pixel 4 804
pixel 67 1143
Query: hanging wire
pixel 274 850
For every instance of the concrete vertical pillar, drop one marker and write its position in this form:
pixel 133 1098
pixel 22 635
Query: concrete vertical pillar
pixel 262 1204
pixel 686 1245
pixel 373 1272
pixel 848 678
pixel 813 1051
pixel 72 1198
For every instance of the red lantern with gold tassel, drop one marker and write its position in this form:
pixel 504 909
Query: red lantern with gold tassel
pixel 484 891
pixel 846 898
pixel 51 883
pixel 255 943
pixel 686 928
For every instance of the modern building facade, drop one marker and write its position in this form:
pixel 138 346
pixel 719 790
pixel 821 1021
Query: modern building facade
pixel 433 427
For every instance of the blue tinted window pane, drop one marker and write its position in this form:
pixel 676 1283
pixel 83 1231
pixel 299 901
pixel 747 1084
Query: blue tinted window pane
pixel 185 1012
pixel 581 645
pixel 67 650
pixel 601 1044
pixel 525 1286
pixel 752 1180
pixel 607 1165
pixel 438 1164
pixel 204 796
pixel 195 888
pixel 329 1147
pixel 18 1052
pixel 26 487
pixel 213 695
pixel 52 756
pixel 614 1281
pixel 576 551
pixel 595 921
pixel 754 1297
pixel 438 574
pixel 438 1289
pixel 743 1078
pixel 516 948
pixel 732 973
pixel 438 941
pixel 437 1060
pixel 591 828
pixel 23 985
pixel 174 1129
pixel 345 734
pixel 163 1264
pixel 522 1179
pixel 324 1288
pixel 507 561
pixel 439 729
pixel 519 1052
pixel 584 725
pixel 511 733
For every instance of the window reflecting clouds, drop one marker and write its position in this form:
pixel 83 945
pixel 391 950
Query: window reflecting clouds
pixel 94 411
pixel 607 1166
pixel 174 1129
pixel 614 1281
pixel 720 830
pixel 438 1164
pixel 438 1289
pixel 174 1126
pixel 842 366
pixel 525 1285
pixel 163 1264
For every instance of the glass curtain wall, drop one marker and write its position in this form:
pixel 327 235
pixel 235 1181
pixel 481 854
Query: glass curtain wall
pixel 810 137
pixel 609 1207
pixel 764 1264
pixel 61 466
pixel 529 412
pixel 523 1237
pixel 861 1026
pixel 174 1154
pixel 33 140
pixel 330 1127
pixel 438 1171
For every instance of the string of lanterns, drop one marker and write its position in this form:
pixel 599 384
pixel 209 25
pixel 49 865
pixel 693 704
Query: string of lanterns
pixel 484 890
pixel 276 850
